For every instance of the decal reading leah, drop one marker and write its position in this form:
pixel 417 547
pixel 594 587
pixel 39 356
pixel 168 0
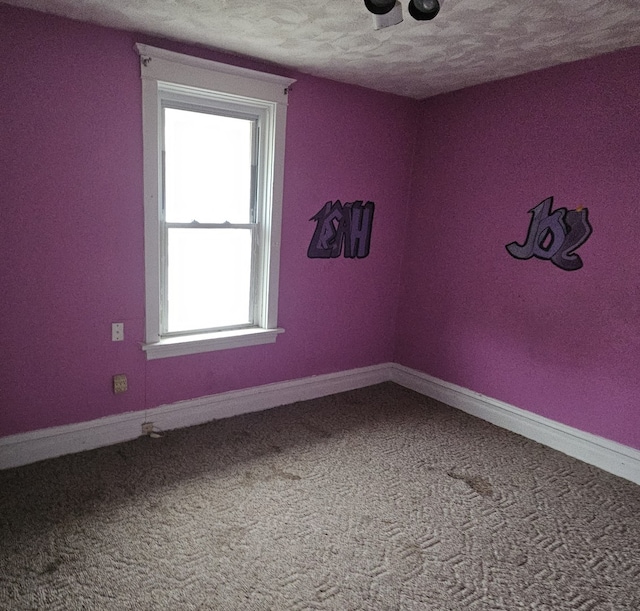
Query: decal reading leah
pixel 341 226
pixel 554 236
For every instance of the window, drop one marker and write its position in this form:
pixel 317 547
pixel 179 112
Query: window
pixel 213 168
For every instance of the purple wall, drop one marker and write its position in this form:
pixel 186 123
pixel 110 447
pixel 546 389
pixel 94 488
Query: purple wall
pixel 565 345
pixel 561 344
pixel 71 246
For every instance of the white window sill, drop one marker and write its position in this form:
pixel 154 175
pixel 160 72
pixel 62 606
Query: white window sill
pixel 208 342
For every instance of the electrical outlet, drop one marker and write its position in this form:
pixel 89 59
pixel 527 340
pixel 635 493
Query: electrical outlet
pixel 117 332
pixel 119 383
pixel 147 428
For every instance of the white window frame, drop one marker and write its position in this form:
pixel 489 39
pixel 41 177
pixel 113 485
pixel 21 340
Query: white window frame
pixel 165 71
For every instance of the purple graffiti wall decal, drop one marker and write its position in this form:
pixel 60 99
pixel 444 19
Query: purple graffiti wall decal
pixel 554 236
pixel 342 227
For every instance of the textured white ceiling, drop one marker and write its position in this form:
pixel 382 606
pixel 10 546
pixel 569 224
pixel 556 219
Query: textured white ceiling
pixel 469 42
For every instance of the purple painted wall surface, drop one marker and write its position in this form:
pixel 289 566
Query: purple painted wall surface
pixel 454 304
pixel 71 243
pixel 565 345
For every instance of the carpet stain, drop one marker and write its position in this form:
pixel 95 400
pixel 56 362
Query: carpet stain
pixel 478 484
pixel 250 479
pixel 122 455
pixel 284 474
pixel 316 430
pixel 52 567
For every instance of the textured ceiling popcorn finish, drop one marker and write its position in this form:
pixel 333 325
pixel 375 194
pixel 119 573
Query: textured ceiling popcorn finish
pixel 470 42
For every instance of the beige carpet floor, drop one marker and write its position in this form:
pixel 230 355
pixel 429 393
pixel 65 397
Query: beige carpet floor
pixel 373 499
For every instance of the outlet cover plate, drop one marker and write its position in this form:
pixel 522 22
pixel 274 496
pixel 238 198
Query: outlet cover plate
pixel 117 332
pixel 119 383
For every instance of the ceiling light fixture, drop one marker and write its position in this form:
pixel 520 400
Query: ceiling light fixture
pixel 424 10
pixel 379 7
pixel 389 12
pixel 385 12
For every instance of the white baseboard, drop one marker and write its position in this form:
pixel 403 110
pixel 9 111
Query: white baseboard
pixel 608 455
pixel 25 448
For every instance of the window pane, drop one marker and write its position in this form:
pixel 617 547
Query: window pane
pixel 207 167
pixel 209 278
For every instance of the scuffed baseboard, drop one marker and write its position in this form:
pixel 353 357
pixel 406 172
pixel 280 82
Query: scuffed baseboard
pixel 25 448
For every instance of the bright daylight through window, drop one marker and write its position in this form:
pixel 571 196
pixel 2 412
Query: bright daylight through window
pixel 209 161
pixel 214 153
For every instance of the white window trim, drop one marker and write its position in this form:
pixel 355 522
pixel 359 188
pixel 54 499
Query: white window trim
pixel 159 66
